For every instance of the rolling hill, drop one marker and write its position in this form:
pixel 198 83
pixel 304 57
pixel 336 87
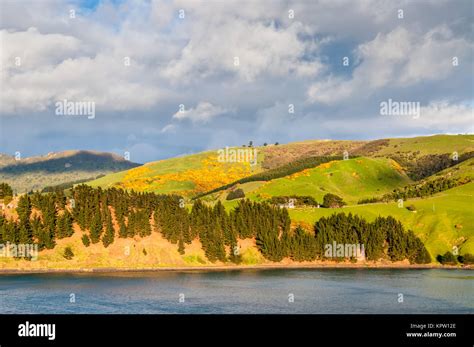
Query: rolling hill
pixel 199 173
pixel 351 179
pixel 443 220
pixel 425 145
pixel 188 175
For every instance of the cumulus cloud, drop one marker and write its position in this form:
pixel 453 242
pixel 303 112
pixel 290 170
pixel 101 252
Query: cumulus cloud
pixel 397 59
pixel 245 49
pixel 441 115
pixel 54 67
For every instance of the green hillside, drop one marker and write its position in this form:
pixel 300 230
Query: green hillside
pixel 425 145
pixel 187 175
pixel 351 179
pixel 442 220
pixel 194 174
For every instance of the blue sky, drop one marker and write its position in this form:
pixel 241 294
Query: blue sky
pixel 49 56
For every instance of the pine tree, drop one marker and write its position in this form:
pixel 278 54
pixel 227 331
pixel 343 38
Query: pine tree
pixel 24 211
pixel 123 232
pixel 49 215
pixel 86 240
pixel 109 234
pixel 96 227
pixel 5 190
pixel 68 223
pixel 181 246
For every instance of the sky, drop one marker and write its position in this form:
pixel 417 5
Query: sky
pixel 174 77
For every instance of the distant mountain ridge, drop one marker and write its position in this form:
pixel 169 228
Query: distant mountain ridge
pixel 38 172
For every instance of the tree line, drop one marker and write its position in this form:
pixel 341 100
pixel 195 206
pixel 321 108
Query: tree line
pixel 103 215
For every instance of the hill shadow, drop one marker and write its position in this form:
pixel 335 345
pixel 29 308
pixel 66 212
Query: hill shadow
pixel 81 161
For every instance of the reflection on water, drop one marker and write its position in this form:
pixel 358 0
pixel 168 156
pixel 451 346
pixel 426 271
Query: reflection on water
pixel 242 291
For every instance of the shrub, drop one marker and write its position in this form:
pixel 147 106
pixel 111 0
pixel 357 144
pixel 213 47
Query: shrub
pixel 369 201
pixel 332 201
pixel 466 259
pixel 447 259
pixel 68 254
pixel 236 194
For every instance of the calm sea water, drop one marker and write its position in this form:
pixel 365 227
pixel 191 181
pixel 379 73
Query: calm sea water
pixel 247 291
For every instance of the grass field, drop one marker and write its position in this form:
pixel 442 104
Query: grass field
pixel 435 144
pixel 351 179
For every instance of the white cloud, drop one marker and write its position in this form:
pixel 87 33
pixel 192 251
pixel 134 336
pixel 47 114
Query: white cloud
pixel 53 67
pixel 202 113
pixel 35 49
pixel 260 49
pixel 395 60
pixel 441 115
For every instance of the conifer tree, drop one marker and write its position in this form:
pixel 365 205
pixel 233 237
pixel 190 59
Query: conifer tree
pixel 109 234
pixel 24 211
pixel 181 246
pixel 96 227
pixel 86 240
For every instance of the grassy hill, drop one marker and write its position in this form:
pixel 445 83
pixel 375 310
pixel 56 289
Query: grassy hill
pixel 426 145
pixel 193 174
pixel 36 173
pixel 351 179
pixel 442 220
pixel 187 175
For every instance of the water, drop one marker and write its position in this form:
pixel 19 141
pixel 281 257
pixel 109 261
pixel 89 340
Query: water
pixel 242 291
